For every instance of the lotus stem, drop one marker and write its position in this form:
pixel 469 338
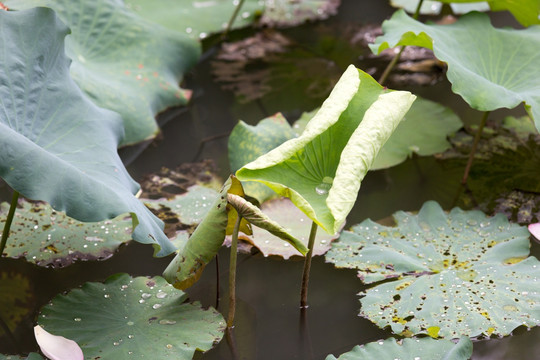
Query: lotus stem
pixel 475 145
pixel 232 19
pixel 9 220
pixel 307 266
pixel 396 58
pixel 232 273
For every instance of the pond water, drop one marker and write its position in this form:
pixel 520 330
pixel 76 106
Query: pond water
pixel 268 323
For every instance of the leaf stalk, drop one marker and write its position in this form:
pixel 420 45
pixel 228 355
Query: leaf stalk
pixel 9 220
pixel 474 147
pixel 232 272
pixel 307 266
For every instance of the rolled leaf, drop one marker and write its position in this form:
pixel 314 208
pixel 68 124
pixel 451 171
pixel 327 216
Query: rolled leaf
pixel 321 170
pixel 186 268
pixel 256 217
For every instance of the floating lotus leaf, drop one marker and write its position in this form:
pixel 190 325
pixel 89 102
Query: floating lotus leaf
pixel 417 349
pixel 31 356
pixel 127 318
pixel 453 274
pixel 50 238
pixel 188 209
pixel 55 145
pixel 291 13
pixel 197 19
pixel 297 224
pixel 321 170
pixel 434 7
pixel 123 62
pixel 246 143
pixel 17 300
pixel 496 70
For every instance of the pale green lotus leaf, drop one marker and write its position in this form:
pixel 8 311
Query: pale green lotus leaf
pixel 497 69
pixel 321 170
pixel 56 145
pixel 247 143
pixel 417 349
pixel 123 62
pixel 444 275
pixel 196 18
pixel 128 318
pixel 434 7
pixel 50 238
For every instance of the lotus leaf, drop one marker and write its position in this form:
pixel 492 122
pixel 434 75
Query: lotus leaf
pixel 493 71
pixel 417 349
pixel 189 208
pixel 198 19
pixel 291 13
pixel 50 238
pixel 447 275
pixel 126 318
pixel 434 7
pixel 246 143
pixel 321 170
pixel 123 62
pixel 31 356
pixel 55 145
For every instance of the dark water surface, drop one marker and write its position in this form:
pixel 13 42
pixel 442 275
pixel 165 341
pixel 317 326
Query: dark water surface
pixel 268 322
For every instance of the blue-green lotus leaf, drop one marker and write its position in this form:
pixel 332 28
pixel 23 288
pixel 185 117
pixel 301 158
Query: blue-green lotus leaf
pixel 123 62
pixel 50 238
pixel 495 70
pixel 321 170
pixel 128 318
pixel 55 144
pixel 454 274
pixel 417 349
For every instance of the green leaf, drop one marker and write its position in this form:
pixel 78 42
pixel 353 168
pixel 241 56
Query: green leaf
pixel 424 348
pixel 256 217
pixel 122 62
pixel 453 274
pixel 292 13
pixel 423 131
pixel 31 356
pixel 321 170
pixel 247 143
pixel 198 19
pixel 126 318
pixel 498 69
pixel 49 238
pixel 55 145
pixel 291 218
pixel 186 268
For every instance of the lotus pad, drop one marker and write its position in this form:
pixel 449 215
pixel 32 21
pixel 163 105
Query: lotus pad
pixel 46 237
pixel 31 356
pixel 132 318
pixel 452 274
pixel 498 69
pixel 123 62
pixel 55 145
pixel 17 301
pixel 410 349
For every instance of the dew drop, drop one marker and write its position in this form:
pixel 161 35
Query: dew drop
pixel 324 187
pixel 130 323
pixel 167 322
pixel 146 295
pixel 130 336
pixel 161 295
pixel 169 346
pixel 106 296
pixel 245 15
pixel 156 306
pixel 78 319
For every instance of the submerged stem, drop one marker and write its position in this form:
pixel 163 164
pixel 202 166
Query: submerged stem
pixel 9 220
pixel 231 20
pixel 475 145
pixel 232 273
pixel 307 266
pixel 396 58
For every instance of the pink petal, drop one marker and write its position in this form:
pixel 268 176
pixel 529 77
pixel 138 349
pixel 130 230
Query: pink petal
pixel 535 230
pixel 57 347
